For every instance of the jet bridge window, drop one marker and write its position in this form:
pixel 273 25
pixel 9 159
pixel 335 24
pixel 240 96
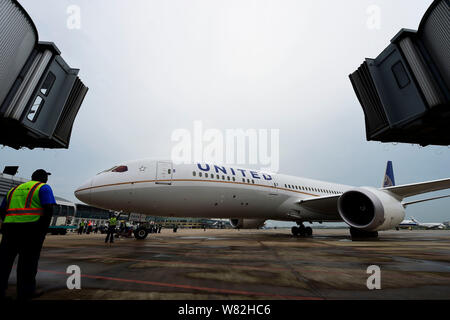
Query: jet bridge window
pixel 37 105
pixel 48 83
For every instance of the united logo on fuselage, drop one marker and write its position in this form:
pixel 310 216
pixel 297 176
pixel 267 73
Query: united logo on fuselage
pixel 232 171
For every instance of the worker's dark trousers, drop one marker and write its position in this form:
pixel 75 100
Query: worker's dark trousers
pixel 25 240
pixel 110 234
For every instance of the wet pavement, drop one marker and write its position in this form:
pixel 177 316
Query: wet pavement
pixel 247 264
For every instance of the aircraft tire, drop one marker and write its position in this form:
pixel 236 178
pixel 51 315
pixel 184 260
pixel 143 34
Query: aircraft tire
pixel 140 233
pixel 295 231
pixel 308 231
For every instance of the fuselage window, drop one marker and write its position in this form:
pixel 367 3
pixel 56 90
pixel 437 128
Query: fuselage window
pixel 223 177
pixel 218 177
pixel 206 175
pixel 199 174
pixel 193 173
pixel 253 181
pixel 248 180
pixel 243 180
pixel 228 178
pixel 234 179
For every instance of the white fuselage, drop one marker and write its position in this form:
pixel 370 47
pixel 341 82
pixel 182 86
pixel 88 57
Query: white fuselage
pixel 161 188
pixel 431 225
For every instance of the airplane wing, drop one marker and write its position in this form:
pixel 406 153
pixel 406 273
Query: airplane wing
pixel 328 204
pixel 408 190
pixel 325 205
pixel 423 200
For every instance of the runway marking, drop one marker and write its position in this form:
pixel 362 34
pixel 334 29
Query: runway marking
pixel 185 286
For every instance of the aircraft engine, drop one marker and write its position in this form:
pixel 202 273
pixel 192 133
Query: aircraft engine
pixel 369 209
pixel 247 223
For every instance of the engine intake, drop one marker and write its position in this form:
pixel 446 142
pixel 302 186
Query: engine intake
pixel 370 209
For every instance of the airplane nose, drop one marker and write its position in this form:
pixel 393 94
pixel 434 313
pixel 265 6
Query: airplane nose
pixel 83 192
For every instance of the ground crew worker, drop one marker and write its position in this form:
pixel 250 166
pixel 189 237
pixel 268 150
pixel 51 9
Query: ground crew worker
pixel 111 229
pixel 26 212
pixel 81 227
pixel 89 227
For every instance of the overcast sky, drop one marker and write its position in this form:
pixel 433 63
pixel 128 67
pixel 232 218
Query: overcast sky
pixel 156 66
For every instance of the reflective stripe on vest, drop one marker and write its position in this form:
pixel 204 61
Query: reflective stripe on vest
pixel 23 203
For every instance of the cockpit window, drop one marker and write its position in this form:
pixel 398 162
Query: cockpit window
pixel 120 169
pixel 116 169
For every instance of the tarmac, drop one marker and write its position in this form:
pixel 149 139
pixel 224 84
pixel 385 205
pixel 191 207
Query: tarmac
pixel 246 264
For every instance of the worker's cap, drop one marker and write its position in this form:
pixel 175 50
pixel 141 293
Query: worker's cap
pixel 40 175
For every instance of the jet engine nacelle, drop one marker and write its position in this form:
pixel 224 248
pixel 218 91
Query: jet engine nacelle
pixel 369 209
pixel 247 223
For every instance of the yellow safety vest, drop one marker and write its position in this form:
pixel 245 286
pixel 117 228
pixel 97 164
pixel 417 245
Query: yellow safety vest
pixel 23 204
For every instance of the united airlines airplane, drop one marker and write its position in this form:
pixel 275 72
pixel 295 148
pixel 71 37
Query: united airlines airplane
pixel 249 197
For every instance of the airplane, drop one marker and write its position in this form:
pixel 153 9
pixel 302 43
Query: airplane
pixel 406 224
pixel 429 225
pixel 250 197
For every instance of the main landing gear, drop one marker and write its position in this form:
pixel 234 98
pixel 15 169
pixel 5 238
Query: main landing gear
pixel 302 231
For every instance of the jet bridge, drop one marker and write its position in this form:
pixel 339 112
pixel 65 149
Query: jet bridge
pixel 405 91
pixel 40 94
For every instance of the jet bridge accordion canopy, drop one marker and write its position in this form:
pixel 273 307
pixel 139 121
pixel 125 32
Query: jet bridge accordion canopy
pixel 40 95
pixel 405 91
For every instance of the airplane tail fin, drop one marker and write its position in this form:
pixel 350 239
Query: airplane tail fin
pixel 389 180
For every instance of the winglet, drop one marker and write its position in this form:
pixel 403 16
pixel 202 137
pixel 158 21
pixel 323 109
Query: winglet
pixel 389 180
